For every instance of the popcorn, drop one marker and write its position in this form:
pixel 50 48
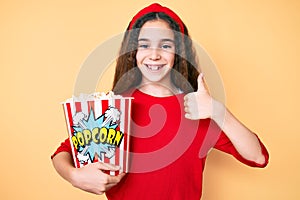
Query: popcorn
pixel 93 96
pixel 99 127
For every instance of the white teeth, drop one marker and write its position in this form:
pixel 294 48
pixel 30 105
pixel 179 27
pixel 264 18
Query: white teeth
pixel 154 67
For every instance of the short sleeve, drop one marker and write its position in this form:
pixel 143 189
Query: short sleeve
pixel 225 145
pixel 64 147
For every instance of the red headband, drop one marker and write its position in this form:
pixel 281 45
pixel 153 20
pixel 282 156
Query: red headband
pixel 158 8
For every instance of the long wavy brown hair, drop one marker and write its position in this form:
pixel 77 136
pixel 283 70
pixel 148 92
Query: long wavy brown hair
pixel 184 72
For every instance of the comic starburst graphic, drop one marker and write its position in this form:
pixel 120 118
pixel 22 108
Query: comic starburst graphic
pixel 108 120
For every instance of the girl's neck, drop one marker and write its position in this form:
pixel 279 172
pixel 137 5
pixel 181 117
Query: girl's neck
pixel 158 90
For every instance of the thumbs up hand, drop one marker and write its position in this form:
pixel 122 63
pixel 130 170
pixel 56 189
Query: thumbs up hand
pixel 198 105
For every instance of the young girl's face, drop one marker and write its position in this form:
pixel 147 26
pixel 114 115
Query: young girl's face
pixel 156 52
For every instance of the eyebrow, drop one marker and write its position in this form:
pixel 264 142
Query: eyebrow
pixel 162 40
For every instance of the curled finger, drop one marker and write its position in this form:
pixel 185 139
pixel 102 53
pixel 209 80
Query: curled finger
pixel 115 179
pixel 186 109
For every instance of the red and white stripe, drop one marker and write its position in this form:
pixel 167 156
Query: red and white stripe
pixel 99 107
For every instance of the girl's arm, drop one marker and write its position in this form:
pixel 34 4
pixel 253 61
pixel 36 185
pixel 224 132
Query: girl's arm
pixel 243 139
pixel 89 178
pixel 200 105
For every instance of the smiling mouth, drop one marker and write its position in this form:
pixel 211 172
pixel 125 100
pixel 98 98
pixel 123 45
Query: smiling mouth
pixel 154 67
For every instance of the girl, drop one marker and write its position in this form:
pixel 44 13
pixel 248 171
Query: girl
pixel 175 120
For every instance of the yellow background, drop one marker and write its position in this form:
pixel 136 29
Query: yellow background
pixel 255 45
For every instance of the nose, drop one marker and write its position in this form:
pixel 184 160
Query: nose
pixel 155 54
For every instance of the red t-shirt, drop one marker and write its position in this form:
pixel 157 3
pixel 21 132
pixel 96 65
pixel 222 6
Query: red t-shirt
pixel 168 151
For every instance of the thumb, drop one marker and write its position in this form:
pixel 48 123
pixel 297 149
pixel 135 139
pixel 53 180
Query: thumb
pixel 201 86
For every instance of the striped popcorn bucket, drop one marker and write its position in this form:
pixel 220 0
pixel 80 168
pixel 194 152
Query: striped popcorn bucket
pixel 99 131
